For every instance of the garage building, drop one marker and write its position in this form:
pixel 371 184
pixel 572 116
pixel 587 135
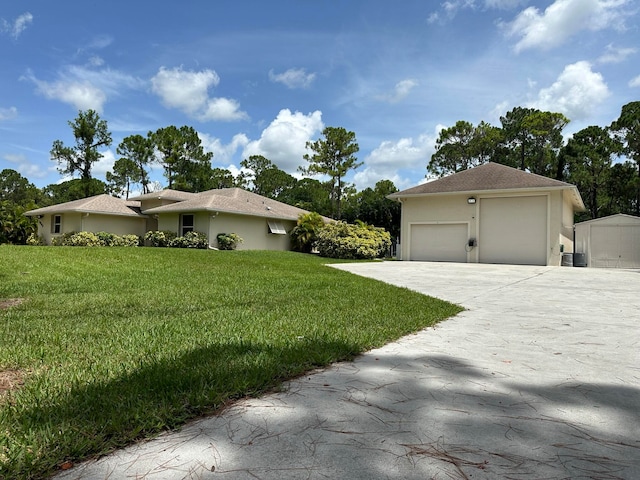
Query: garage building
pixel 489 214
pixel 610 242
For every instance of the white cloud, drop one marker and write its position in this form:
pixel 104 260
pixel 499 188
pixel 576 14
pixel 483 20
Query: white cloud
pixel 284 140
pixel 8 113
pixel 450 8
pixel 616 54
pixel 563 19
pixel 503 4
pixel 400 91
pixel 293 78
pixel 17 27
pixel 223 154
pixel 404 153
pixel 24 167
pixel 575 93
pixel 84 88
pixel 189 91
pixel 391 157
pixel 635 82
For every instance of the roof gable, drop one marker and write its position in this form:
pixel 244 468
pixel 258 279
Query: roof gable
pixel 101 204
pixel 489 176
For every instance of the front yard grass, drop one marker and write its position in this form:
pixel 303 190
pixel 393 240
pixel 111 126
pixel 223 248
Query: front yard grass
pixel 105 346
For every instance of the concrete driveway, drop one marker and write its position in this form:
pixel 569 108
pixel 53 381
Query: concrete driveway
pixel 538 379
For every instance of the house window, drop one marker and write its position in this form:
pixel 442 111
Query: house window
pixel 56 224
pixel 276 227
pixel 186 223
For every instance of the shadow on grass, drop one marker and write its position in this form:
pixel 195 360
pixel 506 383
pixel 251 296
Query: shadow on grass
pixel 96 418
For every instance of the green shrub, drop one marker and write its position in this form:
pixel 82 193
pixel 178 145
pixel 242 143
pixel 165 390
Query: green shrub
pixel 106 239
pixel 126 241
pixel 228 241
pixel 304 234
pixel 190 240
pixel 159 238
pixel 347 241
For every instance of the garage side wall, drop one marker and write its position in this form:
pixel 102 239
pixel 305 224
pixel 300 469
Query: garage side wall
pixel 453 212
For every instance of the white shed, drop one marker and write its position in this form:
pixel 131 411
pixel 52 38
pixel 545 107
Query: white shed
pixel 609 242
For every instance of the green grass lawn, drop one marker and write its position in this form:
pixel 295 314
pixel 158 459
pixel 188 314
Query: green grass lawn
pixel 110 345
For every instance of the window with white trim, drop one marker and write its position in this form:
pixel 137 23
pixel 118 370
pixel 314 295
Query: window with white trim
pixel 56 224
pixel 186 223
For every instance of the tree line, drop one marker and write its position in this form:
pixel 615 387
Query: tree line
pixel 187 167
pixel 603 162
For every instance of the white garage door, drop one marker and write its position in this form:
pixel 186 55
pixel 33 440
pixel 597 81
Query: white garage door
pixel 615 246
pixel 513 230
pixel 439 243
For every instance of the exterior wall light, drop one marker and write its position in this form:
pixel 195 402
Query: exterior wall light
pixel 471 200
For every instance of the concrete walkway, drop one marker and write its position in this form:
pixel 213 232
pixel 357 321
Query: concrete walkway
pixel 538 379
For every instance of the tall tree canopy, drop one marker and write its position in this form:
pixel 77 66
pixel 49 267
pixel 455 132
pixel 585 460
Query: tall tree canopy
pixel 125 172
pixel 90 133
pixel 464 146
pixel 138 150
pixel 333 156
pixel 186 165
pixel 533 139
pixel 589 156
pixel 265 177
pixel 627 127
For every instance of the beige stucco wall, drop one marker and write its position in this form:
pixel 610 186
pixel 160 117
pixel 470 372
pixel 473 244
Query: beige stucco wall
pixel 435 210
pixel 454 208
pixel 253 230
pixel 82 222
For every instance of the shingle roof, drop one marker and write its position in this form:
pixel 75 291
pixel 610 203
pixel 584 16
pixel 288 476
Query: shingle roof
pixel 233 200
pixel 103 204
pixel 489 176
pixel 166 194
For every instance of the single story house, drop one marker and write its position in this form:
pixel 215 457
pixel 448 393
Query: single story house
pixel 262 223
pixel 609 242
pixel 489 214
pixel 100 213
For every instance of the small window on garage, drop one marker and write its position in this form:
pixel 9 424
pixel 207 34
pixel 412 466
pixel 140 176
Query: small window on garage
pixel 276 227
pixel 56 223
pixel 186 223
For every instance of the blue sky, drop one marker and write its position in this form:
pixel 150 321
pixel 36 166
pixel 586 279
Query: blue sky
pixel 255 77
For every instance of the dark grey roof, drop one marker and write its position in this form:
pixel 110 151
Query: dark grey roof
pixel 489 176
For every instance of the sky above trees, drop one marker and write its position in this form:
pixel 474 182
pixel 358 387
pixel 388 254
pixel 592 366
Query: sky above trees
pixel 263 78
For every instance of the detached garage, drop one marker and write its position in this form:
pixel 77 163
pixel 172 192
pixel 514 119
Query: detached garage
pixel 610 242
pixel 489 214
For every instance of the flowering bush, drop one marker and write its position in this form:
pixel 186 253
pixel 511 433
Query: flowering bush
pixel 35 240
pixel 228 241
pixel 360 241
pixel 100 239
pixel 190 240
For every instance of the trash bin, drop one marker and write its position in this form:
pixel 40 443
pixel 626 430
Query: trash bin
pixel 567 259
pixel 579 260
